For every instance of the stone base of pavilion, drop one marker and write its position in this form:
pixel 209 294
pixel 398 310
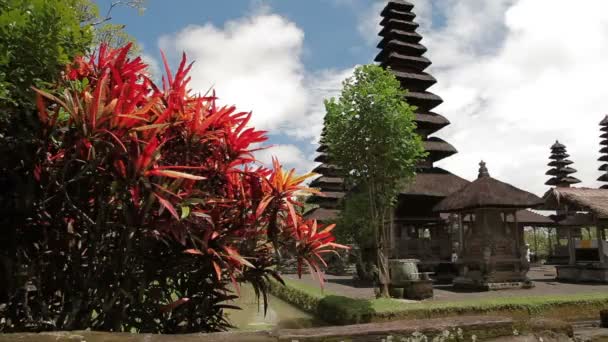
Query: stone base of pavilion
pixel 582 273
pixel 492 283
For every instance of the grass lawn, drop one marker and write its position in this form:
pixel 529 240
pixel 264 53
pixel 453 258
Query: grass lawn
pixel 329 305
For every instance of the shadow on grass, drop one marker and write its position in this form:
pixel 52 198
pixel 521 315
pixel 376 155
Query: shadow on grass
pixel 345 310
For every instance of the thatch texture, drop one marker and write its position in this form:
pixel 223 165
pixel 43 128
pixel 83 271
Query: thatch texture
pixel 322 215
pixel 530 218
pixel 576 220
pixel 560 173
pixel 524 216
pixel 434 182
pixel 593 200
pixel 487 192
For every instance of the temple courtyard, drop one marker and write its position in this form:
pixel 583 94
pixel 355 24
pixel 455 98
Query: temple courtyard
pixel 543 277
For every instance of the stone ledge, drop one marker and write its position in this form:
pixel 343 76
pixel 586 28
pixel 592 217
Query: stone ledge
pixel 482 326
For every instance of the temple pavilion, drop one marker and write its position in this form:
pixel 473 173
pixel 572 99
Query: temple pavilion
pixel 492 253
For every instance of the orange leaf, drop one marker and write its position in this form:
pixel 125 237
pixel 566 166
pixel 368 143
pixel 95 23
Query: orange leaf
pixel 173 174
pixel 193 251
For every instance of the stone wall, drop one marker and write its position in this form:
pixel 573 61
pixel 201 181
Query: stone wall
pixel 474 328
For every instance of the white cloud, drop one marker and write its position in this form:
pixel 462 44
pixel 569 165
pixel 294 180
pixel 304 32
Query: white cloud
pixel 255 63
pixel 153 65
pixel 290 156
pixel 515 76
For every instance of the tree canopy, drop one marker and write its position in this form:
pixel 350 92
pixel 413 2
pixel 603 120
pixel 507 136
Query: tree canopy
pixel 371 135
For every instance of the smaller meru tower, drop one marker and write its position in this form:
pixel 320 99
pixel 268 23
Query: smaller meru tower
pixel 604 152
pixel 330 183
pixel 560 171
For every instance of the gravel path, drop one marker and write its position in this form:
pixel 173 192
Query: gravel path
pixel 543 277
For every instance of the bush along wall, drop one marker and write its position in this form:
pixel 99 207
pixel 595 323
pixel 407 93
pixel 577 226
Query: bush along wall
pixel 340 310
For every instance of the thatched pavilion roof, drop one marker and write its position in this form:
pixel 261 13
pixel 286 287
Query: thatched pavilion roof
pixel 592 200
pixel 435 182
pixel 524 216
pixel 487 192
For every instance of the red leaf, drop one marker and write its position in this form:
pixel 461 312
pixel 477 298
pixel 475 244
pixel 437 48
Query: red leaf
pixel 172 306
pixel 167 205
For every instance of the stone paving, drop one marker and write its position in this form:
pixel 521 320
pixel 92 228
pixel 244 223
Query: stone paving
pixel 543 277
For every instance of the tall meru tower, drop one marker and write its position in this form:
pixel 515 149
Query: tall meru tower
pixel 403 54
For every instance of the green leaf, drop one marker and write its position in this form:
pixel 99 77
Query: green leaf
pixel 185 211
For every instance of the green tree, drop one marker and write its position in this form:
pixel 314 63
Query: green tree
pixel 37 39
pixel 371 137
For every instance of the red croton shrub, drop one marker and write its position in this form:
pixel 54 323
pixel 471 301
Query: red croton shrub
pixel 153 205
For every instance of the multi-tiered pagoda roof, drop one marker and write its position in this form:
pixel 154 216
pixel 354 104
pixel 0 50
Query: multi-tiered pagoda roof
pixel 330 183
pixel 604 152
pixel 560 171
pixel 403 53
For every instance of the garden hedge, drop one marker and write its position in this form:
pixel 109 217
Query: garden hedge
pixel 340 310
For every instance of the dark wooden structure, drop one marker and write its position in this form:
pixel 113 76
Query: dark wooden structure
pixel 418 232
pixel 331 183
pixel 578 209
pixel 604 152
pixel 491 243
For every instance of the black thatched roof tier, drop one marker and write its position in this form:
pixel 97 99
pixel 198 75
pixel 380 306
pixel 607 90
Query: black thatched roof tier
pixel 431 122
pixel 401 47
pixel 402 53
pixel 559 171
pixel 322 148
pixel 325 182
pixel 604 151
pixel 397 13
pixel 327 199
pixel 327 169
pixel 425 101
pixel 398 24
pixel 419 81
pixel 559 155
pixel 400 5
pixel 438 149
pixel 604 136
pixel 396 34
pixel 435 182
pixel 564 170
pixel 487 192
pixel 322 158
pixel 560 162
pixel 603 159
pixel 564 181
pixel 322 215
pixel 397 61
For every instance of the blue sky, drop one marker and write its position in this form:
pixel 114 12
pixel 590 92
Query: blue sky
pixel 331 36
pixel 514 77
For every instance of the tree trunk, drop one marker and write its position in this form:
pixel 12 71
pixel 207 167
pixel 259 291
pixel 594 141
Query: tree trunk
pixel 377 217
pixel 383 272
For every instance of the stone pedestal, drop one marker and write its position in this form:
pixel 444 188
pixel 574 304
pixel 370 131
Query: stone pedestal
pixel 419 290
pixel 582 273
